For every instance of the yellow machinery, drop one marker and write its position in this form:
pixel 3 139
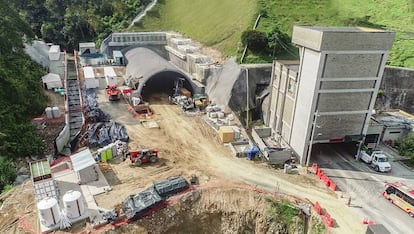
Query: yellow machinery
pixel 201 101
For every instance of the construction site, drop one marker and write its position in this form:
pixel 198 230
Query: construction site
pixel 147 145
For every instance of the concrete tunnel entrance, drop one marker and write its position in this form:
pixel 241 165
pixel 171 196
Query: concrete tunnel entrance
pixel 156 74
pixel 163 83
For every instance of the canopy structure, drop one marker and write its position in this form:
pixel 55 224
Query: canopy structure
pixel 51 81
pixel 85 166
pixel 82 160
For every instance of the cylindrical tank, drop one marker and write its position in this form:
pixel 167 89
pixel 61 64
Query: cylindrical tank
pixel 209 109
pixel 213 114
pixel 220 115
pixel 56 112
pixel 48 111
pixel 73 204
pixel 49 211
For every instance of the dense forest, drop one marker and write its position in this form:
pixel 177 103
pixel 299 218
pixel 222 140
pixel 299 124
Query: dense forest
pixel 21 94
pixel 68 22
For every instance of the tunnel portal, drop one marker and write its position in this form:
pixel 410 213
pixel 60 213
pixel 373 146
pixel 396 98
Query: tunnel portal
pixel 156 75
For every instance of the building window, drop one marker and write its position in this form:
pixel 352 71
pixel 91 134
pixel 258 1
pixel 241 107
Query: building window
pixel 395 132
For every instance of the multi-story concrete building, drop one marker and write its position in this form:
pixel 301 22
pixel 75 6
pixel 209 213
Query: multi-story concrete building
pixel 329 95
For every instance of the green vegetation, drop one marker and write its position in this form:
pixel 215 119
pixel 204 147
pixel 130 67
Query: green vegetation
pixel 285 214
pixel 216 23
pixel 20 97
pixel 405 145
pixel 7 173
pixel 317 227
pixel 219 23
pixel 69 22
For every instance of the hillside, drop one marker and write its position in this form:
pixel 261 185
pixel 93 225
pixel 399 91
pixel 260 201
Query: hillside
pixel 219 23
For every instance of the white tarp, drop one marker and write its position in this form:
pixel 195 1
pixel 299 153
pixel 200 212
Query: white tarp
pixel 88 72
pixel 54 52
pixel 109 71
pixel 90 81
pixel 82 160
pixel 52 81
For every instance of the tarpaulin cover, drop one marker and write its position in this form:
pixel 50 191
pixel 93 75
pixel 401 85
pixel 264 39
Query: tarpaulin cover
pixel 170 186
pixel 135 206
pixel 102 134
pixel 82 160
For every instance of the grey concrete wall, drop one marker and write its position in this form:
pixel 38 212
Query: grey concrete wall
pixel 258 74
pixel 338 126
pixel 344 101
pixel 398 87
pixel 342 38
pixel 352 65
pixel 303 111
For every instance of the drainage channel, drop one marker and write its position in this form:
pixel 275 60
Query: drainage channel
pixel 74 102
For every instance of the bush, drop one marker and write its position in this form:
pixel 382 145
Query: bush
pixel 7 172
pixel 405 145
pixel 256 41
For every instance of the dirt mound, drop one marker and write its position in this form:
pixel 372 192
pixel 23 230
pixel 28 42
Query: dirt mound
pixel 212 210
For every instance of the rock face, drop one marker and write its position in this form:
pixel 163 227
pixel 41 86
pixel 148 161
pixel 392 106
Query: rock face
pixel 398 89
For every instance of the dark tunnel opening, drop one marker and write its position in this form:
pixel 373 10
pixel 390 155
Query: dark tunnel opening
pixel 163 83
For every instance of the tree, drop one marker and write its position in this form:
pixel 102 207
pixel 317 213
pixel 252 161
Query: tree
pixel 255 40
pixel 7 172
pixel 278 41
pixel 405 145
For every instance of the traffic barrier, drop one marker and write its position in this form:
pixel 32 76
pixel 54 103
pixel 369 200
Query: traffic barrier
pixel 317 208
pixel 328 220
pixel 332 186
pixel 367 221
pixel 315 168
pixel 327 181
pixel 320 175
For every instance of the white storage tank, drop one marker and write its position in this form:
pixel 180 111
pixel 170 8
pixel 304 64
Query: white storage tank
pixel 48 211
pixel 56 112
pixel 73 203
pixel 49 114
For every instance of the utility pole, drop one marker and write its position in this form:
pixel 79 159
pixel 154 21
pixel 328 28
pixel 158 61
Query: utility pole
pixel 247 94
pixel 311 139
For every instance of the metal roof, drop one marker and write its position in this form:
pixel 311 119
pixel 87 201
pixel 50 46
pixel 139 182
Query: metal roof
pixel 87 44
pixel 82 160
pixel 109 72
pixel 117 53
pixel 88 72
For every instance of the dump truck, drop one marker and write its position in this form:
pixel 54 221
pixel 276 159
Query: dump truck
pixel 376 159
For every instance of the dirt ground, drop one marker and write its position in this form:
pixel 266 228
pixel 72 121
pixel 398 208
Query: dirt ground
pixel 187 146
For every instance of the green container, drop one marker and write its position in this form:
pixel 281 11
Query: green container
pixel 103 156
pixel 109 153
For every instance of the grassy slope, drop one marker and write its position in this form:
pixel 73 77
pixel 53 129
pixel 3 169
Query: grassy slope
pixel 219 23
pixel 396 15
pixel 216 23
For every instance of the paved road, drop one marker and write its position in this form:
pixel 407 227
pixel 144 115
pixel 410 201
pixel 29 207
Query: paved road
pixel 365 186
